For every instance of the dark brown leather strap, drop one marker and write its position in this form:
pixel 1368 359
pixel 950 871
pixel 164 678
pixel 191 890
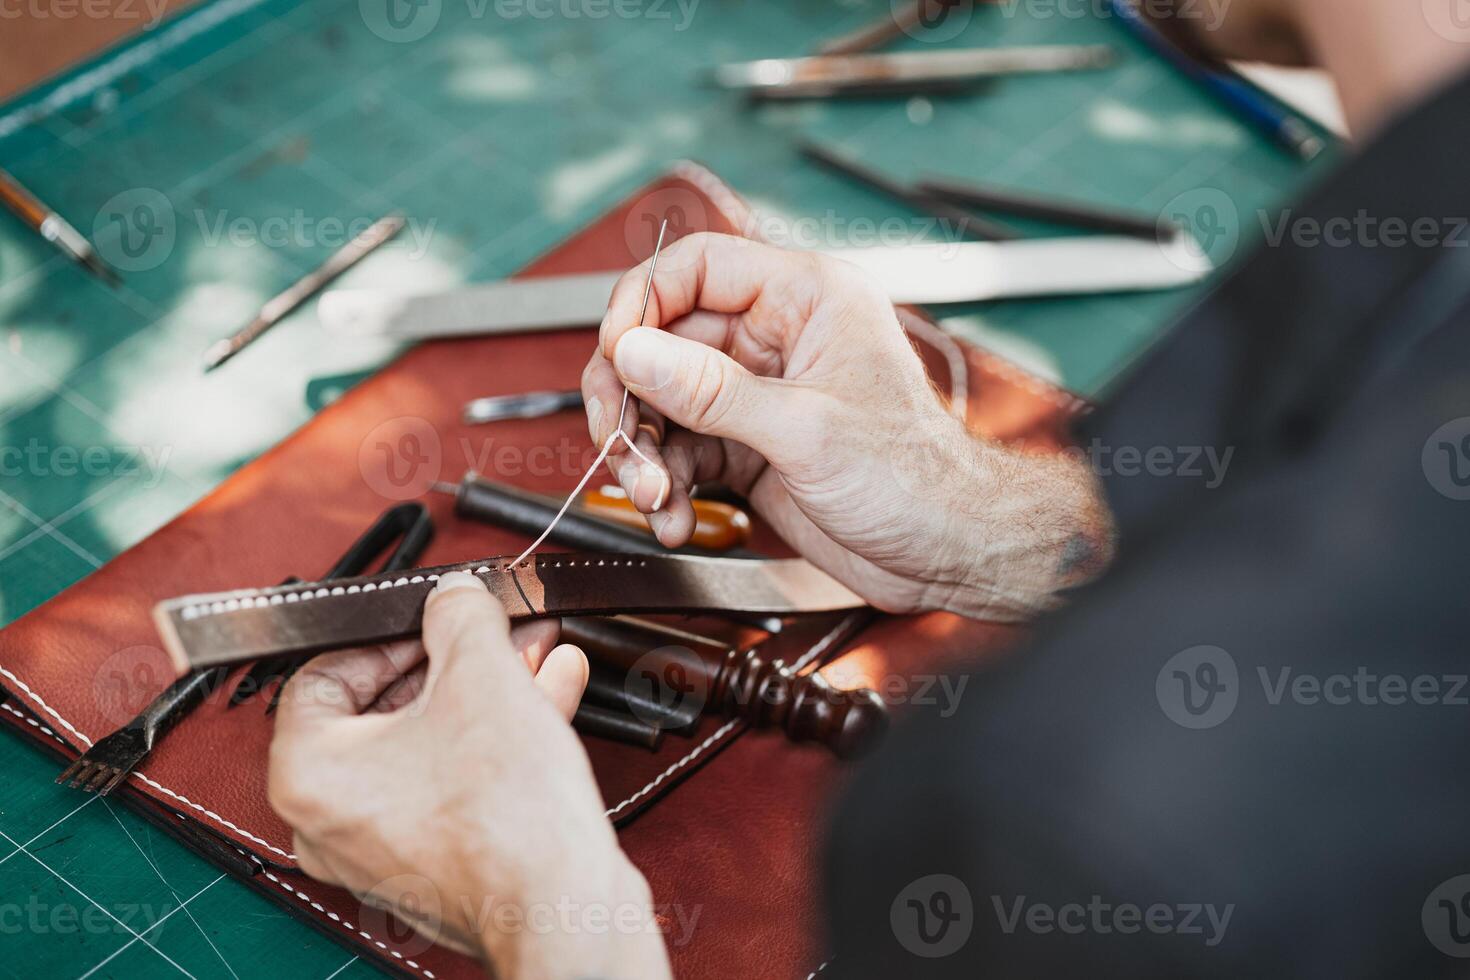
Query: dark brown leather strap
pixel 228 627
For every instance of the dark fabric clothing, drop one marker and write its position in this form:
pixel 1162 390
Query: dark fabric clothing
pixel 1335 549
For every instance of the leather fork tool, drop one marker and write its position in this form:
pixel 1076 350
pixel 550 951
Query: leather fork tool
pixel 104 766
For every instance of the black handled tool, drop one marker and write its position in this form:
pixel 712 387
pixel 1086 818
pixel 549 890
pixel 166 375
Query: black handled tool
pixel 107 763
pixel 409 525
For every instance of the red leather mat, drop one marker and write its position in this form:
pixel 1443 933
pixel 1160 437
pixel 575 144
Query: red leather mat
pixel 732 852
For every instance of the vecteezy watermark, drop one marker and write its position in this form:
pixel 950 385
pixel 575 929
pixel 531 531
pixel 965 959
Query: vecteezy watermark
pixel 1205 463
pixel 1364 230
pixel 1201 686
pixel 301 230
pixel 1450 19
pixel 409 909
pixel 1201 14
pixel 35 916
pixel 1446 917
pixel 931 21
pixel 1200 229
pixel 1363 686
pixel 148 11
pixel 38 459
pixel 1103 918
pixel 933 916
pixel 402 458
pixel 1198 687
pixel 406 21
pixel 136 230
pixel 1446 459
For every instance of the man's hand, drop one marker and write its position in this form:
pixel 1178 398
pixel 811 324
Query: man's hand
pixel 787 376
pixel 442 781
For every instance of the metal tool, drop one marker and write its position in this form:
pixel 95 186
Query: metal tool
pixel 407 529
pixel 960 220
pixel 55 229
pixel 247 624
pixel 824 76
pixel 105 764
pixel 531 405
pixel 967 194
pixel 303 289
pixel 910 18
pixel 920 274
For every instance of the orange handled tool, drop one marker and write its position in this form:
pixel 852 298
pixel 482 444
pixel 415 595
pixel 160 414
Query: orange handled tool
pixel 718 526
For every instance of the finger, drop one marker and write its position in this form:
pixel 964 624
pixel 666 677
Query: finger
pixel 563 678
pixel 602 392
pixel 344 683
pixel 467 634
pixel 311 861
pixel 704 390
pixel 720 273
pixel 644 478
pixel 403 690
pixel 534 640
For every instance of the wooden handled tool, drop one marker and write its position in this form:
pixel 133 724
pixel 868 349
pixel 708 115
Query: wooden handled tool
pixel 762 690
pixel 718 526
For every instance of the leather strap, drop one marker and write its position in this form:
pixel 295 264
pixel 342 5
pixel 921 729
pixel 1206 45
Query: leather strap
pixel 228 627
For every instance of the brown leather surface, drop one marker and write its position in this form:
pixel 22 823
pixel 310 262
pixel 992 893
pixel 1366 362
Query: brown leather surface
pixel 35 48
pixel 736 843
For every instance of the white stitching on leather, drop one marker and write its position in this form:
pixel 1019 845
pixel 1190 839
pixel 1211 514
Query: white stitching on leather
pixel 151 782
pixel 46 707
pixel 718 733
pixel 33 723
pixel 812 975
pixel 258 598
pixel 344 923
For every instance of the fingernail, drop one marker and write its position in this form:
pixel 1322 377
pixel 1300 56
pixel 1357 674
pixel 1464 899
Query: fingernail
pixel 657 520
pixel 652 476
pixel 594 419
pixel 645 358
pixel 450 581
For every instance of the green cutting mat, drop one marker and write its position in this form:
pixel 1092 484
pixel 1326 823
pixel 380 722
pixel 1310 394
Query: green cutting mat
pixel 499 133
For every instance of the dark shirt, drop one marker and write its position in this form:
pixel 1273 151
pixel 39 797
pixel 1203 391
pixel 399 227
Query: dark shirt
pixel 1261 709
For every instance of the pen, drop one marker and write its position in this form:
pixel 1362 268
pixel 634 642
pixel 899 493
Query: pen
pixel 1227 85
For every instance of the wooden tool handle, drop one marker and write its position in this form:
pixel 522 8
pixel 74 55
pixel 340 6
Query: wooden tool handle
pixel 21 201
pixel 718 526
pixel 737 683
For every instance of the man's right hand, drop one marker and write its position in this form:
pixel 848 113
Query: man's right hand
pixel 786 376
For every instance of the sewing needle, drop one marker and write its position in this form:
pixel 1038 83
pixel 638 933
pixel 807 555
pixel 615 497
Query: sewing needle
pixel 643 313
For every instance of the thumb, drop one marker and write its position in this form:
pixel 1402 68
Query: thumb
pixel 467 632
pixel 701 388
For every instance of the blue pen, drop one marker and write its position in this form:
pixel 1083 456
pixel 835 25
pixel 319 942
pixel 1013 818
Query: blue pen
pixel 1227 85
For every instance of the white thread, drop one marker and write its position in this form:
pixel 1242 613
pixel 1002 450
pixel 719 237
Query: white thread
pixel 287 886
pixel 566 505
pixel 622 414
